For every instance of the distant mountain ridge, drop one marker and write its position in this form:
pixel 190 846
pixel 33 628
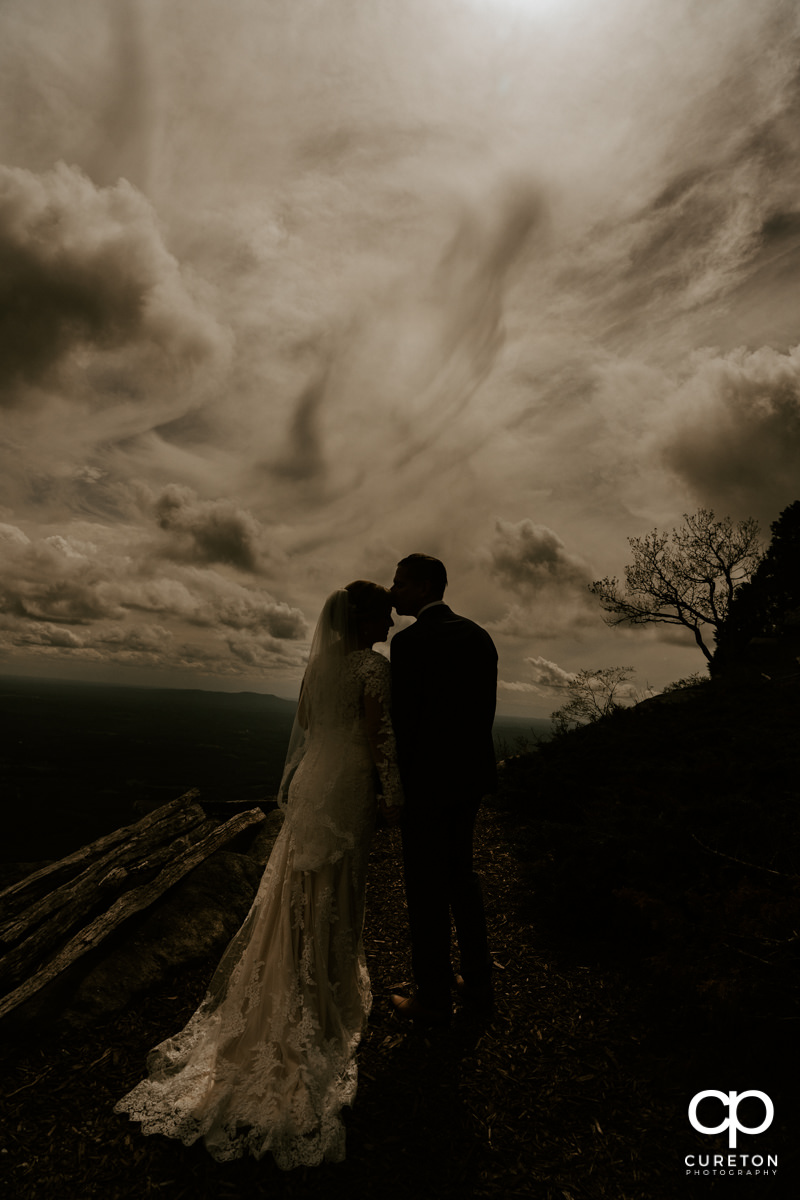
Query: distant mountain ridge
pixel 80 758
pixel 20 684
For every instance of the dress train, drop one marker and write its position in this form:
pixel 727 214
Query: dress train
pixel 267 1062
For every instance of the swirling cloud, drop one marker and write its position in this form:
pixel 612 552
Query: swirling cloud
pixel 326 278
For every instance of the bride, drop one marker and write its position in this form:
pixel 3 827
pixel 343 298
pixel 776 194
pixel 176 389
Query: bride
pixel 269 1059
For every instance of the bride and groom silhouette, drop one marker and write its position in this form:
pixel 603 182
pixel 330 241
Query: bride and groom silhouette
pixel 268 1061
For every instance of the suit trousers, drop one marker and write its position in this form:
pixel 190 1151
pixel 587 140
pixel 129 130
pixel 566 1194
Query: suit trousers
pixel 440 880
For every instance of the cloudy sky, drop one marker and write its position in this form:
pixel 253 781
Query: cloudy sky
pixel 290 289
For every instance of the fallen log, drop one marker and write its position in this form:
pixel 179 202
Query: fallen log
pixel 76 900
pixel 130 902
pixel 19 895
pixel 79 894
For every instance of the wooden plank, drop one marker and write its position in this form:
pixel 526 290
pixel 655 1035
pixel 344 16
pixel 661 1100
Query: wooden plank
pixel 126 906
pixel 98 885
pixel 80 893
pixel 15 897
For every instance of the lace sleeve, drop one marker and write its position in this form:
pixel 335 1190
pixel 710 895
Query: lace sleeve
pixel 378 714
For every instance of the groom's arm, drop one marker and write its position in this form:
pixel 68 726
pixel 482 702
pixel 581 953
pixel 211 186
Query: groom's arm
pixel 410 700
pixel 401 658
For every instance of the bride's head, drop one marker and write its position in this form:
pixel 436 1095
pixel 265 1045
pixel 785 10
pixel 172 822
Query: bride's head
pixel 369 612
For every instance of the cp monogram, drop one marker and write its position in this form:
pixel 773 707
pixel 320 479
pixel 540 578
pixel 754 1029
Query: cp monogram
pixel 731 1100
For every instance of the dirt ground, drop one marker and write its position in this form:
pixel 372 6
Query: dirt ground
pixel 577 1089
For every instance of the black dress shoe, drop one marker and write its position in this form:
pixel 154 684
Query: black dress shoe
pixel 410 1008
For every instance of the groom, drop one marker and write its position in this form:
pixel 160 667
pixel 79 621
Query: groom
pixel 444 686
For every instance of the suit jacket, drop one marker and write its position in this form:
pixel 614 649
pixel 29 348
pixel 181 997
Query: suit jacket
pixel 444 691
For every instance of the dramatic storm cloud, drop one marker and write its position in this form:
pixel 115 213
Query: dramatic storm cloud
pixel 207 530
pixel 85 269
pixel 736 430
pixel 106 592
pixel 290 290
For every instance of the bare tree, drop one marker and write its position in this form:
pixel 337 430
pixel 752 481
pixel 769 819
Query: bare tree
pixel 593 694
pixel 684 577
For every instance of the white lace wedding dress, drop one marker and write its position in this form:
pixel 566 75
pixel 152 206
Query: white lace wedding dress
pixel 269 1059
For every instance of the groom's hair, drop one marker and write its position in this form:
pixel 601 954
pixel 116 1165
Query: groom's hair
pixel 424 568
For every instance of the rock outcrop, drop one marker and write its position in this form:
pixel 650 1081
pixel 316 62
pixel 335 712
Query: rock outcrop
pixel 194 921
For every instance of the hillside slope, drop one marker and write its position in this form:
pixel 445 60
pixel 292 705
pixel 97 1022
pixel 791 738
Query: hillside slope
pixel 669 834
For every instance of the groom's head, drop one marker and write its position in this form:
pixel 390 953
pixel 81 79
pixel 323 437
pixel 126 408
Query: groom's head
pixel 419 580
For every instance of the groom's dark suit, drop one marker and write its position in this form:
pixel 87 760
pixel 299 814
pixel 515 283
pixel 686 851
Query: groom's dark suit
pixel 444 686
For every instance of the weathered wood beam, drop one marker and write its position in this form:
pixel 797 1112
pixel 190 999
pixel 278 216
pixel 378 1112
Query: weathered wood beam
pixel 96 886
pixel 79 894
pixel 126 906
pixel 19 894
